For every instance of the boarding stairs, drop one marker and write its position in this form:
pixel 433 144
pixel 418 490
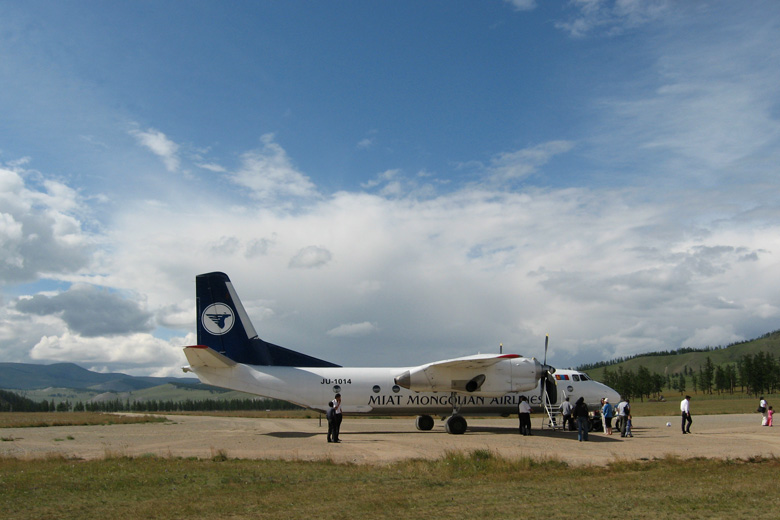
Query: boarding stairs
pixel 554 418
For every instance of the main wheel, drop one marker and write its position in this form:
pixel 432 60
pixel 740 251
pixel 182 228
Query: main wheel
pixel 424 422
pixel 456 425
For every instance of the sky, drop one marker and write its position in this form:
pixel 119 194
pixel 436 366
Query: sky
pixel 388 183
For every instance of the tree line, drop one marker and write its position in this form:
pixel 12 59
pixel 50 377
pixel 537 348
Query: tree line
pixel 13 402
pixel 755 374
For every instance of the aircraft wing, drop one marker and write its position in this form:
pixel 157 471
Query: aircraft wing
pixel 481 374
pixel 472 362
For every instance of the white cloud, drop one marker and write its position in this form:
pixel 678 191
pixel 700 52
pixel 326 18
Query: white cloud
pixel 269 174
pixel 159 144
pixel 352 330
pixel 605 272
pixel 137 350
pixel 716 335
pixel 41 227
pixel 510 166
pixel 611 16
pixel 522 5
pixel 212 167
pixel 311 257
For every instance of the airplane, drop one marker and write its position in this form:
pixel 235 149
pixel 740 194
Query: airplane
pixel 229 354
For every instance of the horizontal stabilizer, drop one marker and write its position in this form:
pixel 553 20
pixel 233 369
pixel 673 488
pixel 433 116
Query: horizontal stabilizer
pixel 203 356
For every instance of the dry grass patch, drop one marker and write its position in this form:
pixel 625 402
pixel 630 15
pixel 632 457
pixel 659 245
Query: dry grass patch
pixel 44 419
pixel 460 483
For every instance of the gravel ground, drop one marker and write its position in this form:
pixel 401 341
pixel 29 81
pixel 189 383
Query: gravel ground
pixel 380 441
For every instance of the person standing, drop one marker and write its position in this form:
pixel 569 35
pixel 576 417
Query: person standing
pixel 329 417
pixel 685 409
pixel 762 410
pixel 566 409
pixel 524 413
pixel 336 418
pixel 607 414
pixel 603 420
pixel 581 416
pixel 623 409
pixel 769 414
pixel 628 426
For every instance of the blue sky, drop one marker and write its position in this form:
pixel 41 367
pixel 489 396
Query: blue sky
pixel 388 183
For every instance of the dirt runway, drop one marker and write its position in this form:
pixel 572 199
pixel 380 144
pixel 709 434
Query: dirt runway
pixel 381 441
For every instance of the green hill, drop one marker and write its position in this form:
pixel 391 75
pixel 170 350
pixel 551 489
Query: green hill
pixel 670 363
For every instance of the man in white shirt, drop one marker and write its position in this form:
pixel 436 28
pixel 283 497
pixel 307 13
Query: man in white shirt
pixel 623 409
pixel 524 413
pixel 566 410
pixel 762 409
pixel 685 408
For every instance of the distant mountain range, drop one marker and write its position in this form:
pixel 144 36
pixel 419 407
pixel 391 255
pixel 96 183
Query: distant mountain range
pixel 28 376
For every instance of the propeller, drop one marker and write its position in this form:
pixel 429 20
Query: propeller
pixel 549 386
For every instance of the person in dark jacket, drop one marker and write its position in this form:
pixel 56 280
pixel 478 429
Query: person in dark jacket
pixel 329 417
pixel 336 403
pixel 580 414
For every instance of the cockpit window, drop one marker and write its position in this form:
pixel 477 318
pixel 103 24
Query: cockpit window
pixel 575 377
pixel 584 377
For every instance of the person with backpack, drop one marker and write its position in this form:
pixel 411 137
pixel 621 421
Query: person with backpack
pixel 581 416
pixel 623 409
pixel 607 413
pixel 762 410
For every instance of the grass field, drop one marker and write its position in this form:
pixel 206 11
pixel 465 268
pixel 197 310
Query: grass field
pixel 460 484
pixel 702 404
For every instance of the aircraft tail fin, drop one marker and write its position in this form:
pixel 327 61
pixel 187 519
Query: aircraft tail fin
pixel 224 326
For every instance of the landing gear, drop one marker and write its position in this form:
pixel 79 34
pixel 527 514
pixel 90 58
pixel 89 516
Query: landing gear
pixel 424 422
pixel 456 425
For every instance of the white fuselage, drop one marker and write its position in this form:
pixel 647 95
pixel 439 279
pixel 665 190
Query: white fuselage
pixel 372 391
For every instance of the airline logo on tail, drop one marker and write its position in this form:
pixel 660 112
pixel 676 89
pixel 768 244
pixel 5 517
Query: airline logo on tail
pixel 218 319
